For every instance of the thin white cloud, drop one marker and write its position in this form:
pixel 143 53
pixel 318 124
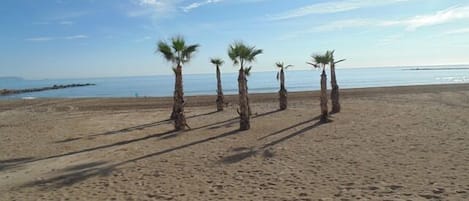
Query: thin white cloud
pixel 68 15
pixel 44 39
pixel 410 24
pixel 143 39
pixel 74 37
pixel 343 24
pixel 332 7
pixel 457 31
pixel 198 4
pixel 331 26
pixel 151 2
pixel 441 17
pixel 66 22
pixel 39 39
pixel 155 8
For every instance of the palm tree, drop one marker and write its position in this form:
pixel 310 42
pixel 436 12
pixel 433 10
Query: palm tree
pixel 242 54
pixel 220 98
pixel 335 86
pixel 178 53
pixel 320 61
pixel 283 91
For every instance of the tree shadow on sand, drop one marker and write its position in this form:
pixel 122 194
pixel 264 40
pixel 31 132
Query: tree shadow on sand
pixel 299 132
pixel 133 128
pixel 12 163
pixel 71 175
pixel 125 142
pixel 164 135
pixel 225 123
pixel 243 153
pixel 290 127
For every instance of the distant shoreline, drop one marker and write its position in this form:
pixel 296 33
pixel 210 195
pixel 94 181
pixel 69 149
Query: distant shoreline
pixel 6 92
pixel 455 68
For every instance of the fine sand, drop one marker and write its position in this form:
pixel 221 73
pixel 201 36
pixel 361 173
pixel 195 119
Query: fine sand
pixel 396 143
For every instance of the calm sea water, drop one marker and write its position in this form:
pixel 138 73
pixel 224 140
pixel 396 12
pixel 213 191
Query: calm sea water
pixel 260 82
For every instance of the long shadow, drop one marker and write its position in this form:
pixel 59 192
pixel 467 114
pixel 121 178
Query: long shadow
pixel 181 146
pixel 99 147
pixel 72 175
pixel 219 124
pixel 68 140
pixel 133 128
pixel 200 115
pixel 214 124
pixel 121 131
pixel 243 153
pixel 78 173
pixel 11 163
pixel 239 156
pixel 232 119
pixel 292 135
pixel 164 134
pixel 143 126
pixel 266 113
pixel 290 127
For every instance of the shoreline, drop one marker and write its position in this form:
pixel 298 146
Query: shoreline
pixel 88 104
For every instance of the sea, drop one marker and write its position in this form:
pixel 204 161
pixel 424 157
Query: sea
pixel 258 82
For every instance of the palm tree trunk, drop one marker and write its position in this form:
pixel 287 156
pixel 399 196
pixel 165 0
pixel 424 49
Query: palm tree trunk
pixel 247 96
pixel 334 91
pixel 220 97
pixel 180 119
pixel 324 112
pixel 244 116
pixel 173 113
pixel 283 92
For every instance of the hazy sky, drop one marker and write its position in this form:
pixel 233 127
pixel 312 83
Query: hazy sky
pixel 101 38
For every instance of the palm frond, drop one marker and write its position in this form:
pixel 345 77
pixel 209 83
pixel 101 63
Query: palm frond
pixel 247 71
pixel 233 52
pixel 319 59
pixel 217 61
pixel 252 53
pixel 279 64
pixel 241 53
pixel 165 50
pixel 313 64
pixel 178 43
pixel 336 62
pixel 188 52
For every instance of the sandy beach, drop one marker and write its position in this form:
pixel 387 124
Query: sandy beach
pixel 392 143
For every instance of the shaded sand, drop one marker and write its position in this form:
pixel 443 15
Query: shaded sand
pixel 398 143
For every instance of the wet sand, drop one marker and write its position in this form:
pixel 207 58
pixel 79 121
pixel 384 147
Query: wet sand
pixel 393 143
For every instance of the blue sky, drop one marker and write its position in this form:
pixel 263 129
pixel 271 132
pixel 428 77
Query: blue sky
pixel 102 38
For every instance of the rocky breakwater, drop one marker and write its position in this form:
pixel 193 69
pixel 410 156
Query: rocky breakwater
pixel 5 92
